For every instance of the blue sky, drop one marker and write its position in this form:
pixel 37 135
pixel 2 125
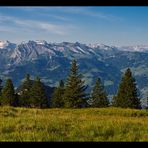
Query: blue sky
pixel 107 25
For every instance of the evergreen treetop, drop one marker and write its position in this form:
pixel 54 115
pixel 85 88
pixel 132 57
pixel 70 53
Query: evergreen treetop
pixel 57 99
pixel 24 99
pixel 74 96
pixel 27 83
pixel 8 96
pixel 37 94
pixel 99 95
pixel 127 96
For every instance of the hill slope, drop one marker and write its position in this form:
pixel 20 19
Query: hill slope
pixel 104 124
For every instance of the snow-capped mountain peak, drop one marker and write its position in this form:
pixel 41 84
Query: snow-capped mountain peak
pixel 41 42
pixel 7 45
pixel 4 44
pixel 100 46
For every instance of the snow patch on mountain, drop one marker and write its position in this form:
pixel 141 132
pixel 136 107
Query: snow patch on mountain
pixel 41 42
pixel 32 50
pixel 3 44
pixel 138 48
pixel 100 46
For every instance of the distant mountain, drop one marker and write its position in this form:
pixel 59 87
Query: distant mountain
pixel 138 48
pixel 51 61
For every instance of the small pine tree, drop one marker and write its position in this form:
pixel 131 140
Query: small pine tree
pixel 57 99
pixel 127 96
pixel 74 95
pixel 99 95
pixel 8 96
pixel 38 96
pixel 24 99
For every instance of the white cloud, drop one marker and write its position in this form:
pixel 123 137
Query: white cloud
pixel 33 25
pixel 88 12
pixel 56 12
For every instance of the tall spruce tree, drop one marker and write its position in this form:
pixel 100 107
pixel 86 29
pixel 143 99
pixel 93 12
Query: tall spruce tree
pixel 99 95
pixel 38 96
pixel 127 95
pixel 74 95
pixel 57 98
pixel 24 98
pixel 8 96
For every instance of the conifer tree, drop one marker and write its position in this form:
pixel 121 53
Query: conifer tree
pixel 57 99
pixel 38 96
pixel 8 96
pixel 127 95
pixel 24 99
pixel 99 95
pixel 74 95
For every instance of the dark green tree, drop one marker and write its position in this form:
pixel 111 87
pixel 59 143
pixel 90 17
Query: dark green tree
pixel 127 95
pixel 16 104
pixel 57 98
pixel 99 95
pixel 8 96
pixel 38 96
pixel 24 99
pixel 74 95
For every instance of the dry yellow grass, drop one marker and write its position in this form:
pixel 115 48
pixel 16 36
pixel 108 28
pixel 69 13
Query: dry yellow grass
pixel 91 124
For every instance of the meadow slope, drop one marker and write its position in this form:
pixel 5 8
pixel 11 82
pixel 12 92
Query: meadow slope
pixel 91 124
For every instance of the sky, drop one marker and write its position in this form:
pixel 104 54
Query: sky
pixel 117 26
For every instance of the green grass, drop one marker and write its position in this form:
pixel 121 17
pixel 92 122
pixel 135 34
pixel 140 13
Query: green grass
pixel 104 124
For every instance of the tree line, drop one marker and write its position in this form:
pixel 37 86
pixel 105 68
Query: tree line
pixel 70 94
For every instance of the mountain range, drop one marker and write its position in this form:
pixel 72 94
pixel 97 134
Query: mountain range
pixel 51 61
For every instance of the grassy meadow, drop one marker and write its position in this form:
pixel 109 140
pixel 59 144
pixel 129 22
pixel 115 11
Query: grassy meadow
pixel 91 124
